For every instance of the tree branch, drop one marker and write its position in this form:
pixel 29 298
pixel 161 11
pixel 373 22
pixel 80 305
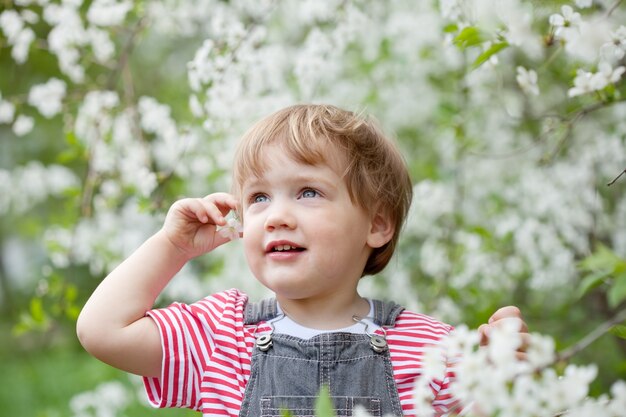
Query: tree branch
pixel 591 337
pixel 126 51
pixel 616 178
pixel 613 8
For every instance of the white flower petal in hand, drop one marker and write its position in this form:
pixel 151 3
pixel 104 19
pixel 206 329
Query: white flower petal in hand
pixel 232 229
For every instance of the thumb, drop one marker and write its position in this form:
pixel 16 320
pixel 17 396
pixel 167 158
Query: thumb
pixel 483 331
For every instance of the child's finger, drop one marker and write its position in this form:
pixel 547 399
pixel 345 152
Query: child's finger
pixel 211 212
pixel 223 201
pixel 194 208
pixel 483 331
pixel 504 312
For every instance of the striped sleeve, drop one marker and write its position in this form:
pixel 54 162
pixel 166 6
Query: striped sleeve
pixel 412 334
pixel 189 336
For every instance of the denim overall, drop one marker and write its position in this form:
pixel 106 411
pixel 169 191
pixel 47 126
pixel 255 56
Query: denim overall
pixel 288 372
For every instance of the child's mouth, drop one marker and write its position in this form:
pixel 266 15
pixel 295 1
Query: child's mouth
pixel 286 248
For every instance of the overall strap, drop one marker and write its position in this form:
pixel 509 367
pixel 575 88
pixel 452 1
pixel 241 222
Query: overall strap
pixel 386 313
pixel 263 310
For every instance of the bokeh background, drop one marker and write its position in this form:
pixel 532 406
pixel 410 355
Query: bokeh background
pixel 511 115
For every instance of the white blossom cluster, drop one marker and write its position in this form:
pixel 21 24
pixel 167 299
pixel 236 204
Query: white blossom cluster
pixel 492 380
pixel 21 125
pixel 509 180
pixel 518 218
pixel 69 32
pixel 106 400
pixel 100 241
pixel 26 186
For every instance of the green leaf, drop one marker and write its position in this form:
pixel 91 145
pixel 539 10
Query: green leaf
pixel 494 49
pixel 603 259
pixel 450 28
pixel 469 36
pixel 36 310
pixel 286 413
pixel 324 404
pixel 592 281
pixel 617 292
pixel 619 331
pixel 71 293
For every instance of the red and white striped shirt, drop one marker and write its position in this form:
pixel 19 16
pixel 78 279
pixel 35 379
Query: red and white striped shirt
pixel 207 352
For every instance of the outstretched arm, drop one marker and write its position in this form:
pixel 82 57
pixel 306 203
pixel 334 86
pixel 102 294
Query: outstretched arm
pixel 112 326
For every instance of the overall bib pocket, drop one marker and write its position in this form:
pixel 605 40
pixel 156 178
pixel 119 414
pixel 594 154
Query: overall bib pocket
pixel 302 406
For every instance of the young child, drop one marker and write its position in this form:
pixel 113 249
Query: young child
pixel 322 195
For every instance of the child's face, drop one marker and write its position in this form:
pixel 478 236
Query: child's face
pixel 303 236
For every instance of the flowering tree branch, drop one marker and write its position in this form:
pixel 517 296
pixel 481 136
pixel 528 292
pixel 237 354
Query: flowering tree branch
pixel 594 335
pixel 616 178
pixel 125 53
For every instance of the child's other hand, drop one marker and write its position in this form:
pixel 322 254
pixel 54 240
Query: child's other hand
pixel 191 223
pixel 506 315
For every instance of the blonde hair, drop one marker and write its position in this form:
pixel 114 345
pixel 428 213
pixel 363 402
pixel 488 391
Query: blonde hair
pixel 375 172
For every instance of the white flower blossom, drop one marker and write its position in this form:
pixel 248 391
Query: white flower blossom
pixel 94 119
pixel 66 36
pixel 565 22
pixel 7 111
pixel 616 48
pixel 29 16
pixel 24 2
pixel 504 342
pixel 23 125
pixel 540 351
pixel 232 229
pixel 586 82
pixel 11 24
pixel 450 9
pixel 527 80
pixel 582 84
pixel 618 403
pixel 145 181
pixel 108 12
pixel 606 75
pixel 423 398
pixel 154 116
pixel 20 49
pixel 19 36
pixel 47 98
pixel 107 399
pixel 101 44
pixel 583 4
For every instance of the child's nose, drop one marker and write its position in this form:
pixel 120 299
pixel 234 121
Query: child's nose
pixel 280 215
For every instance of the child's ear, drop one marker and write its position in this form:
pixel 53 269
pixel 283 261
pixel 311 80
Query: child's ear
pixel 381 231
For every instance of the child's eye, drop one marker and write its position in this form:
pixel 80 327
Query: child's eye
pixel 259 198
pixel 309 193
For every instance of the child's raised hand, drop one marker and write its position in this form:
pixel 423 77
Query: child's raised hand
pixel 191 223
pixel 508 314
